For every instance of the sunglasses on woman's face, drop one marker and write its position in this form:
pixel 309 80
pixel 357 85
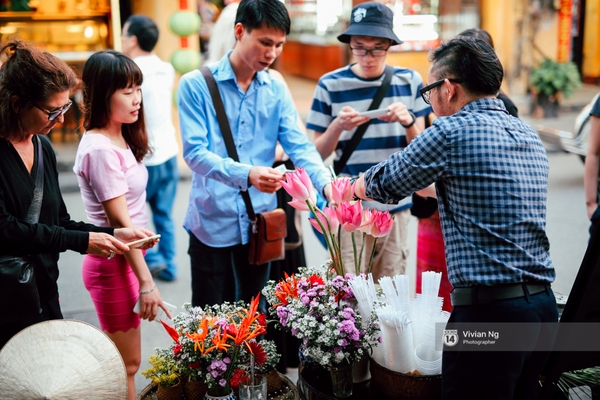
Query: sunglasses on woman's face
pixel 52 115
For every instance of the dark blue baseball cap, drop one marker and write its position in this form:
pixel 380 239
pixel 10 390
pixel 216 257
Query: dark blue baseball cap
pixel 371 19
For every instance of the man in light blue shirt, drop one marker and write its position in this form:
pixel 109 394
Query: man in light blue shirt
pixel 261 113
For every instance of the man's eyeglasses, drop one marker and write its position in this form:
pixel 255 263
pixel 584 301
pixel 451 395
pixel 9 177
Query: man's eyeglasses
pixel 426 91
pixel 373 52
pixel 52 115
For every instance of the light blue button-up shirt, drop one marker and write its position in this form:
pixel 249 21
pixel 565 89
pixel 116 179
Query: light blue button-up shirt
pixel 259 118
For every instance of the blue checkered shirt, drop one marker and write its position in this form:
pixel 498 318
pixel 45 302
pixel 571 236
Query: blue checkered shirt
pixel 491 176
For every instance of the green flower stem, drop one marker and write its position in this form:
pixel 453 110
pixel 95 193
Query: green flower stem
pixel 372 256
pixel 360 257
pixel 326 234
pixel 356 262
pixel 231 367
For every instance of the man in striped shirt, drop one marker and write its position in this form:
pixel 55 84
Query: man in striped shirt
pixel 340 96
pixel 491 175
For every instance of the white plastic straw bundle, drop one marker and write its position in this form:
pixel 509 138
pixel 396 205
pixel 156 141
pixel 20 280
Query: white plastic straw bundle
pixel 430 284
pixel 398 350
pixel 365 296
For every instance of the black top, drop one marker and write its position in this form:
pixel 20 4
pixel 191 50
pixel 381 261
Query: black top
pixel 508 103
pixel 54 233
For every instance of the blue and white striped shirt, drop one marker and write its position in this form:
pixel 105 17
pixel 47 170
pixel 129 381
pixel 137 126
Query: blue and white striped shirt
pixel 343 87
pixel 491 175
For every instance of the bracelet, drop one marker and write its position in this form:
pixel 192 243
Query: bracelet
pixel 412 123
pixel 147 291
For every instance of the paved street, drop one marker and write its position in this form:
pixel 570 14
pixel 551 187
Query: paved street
pixel 567 229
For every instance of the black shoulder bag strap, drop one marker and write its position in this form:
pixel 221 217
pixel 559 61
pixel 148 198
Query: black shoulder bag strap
pixel 33 213
pixel 225 130
pixel 339 165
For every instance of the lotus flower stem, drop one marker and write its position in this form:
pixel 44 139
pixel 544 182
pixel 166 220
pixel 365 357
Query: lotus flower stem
pixel 356 261
pixel 360 257
pixel 370 266
pixel 326 235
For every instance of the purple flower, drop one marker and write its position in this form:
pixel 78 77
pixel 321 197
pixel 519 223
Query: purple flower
pixel 222 382
pixel 349 313
pixel 349 329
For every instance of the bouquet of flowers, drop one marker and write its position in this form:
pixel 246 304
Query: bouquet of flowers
pixel 343 213
pixel 321 312
pixel 164 371
pixel 215 344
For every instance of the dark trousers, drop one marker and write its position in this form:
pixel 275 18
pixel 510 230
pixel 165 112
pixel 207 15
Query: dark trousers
pixel 501 375
pixel 50 310
pixel 222 274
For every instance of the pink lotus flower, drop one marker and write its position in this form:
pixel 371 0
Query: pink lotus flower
pixel 367 219
pixel 299 186
pixel 331 216
pixel 342 190
pixel 382 223
pixel 350 215
pixel 299 205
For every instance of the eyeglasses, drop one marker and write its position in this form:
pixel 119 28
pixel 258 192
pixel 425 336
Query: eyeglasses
pixel 426 91
pixel 373 52
pixel 52 115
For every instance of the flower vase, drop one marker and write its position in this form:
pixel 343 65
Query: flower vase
pixel 174 392
pixel 307 361
pixel 360 370
pixel 218 396
pixel 341 380
pixel 194 390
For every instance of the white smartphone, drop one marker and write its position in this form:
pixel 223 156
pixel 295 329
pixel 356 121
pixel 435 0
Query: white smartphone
pixel 282 169
pixel 160 314
pixel 139 243
pixel 374 113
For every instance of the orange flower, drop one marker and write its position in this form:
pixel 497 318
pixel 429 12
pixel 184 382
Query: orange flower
pixel 219 341
pixel 288 288
pixel 200 336
pixel 249 327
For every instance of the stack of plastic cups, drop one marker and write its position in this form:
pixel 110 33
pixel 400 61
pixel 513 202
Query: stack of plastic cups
pixel 428 359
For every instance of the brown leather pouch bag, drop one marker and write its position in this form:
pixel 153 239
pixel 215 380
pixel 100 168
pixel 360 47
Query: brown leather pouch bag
pixel 267 237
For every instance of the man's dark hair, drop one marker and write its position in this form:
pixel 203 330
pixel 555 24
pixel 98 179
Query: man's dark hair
pixel 144 29
pixel 472 60
pixel 254 14
pixel 477 33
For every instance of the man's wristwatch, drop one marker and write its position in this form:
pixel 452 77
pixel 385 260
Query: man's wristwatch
pixel 412 122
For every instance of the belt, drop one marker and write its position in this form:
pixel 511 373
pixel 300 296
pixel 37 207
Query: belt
pixel 486 294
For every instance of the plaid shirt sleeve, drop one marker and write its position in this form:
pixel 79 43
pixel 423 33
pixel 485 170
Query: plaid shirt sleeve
pixel 491 175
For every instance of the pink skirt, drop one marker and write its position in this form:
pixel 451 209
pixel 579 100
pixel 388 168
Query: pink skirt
pixel 114 290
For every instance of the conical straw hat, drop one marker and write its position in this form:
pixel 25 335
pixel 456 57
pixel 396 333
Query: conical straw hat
pixel 62 359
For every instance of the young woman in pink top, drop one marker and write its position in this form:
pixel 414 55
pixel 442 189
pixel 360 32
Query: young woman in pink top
pixel 113 180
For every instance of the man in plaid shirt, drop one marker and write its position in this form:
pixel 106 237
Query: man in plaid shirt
pixel 491 176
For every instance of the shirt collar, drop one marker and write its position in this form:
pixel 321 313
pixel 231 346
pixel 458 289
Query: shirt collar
pixel 487 103
pixel 224 72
